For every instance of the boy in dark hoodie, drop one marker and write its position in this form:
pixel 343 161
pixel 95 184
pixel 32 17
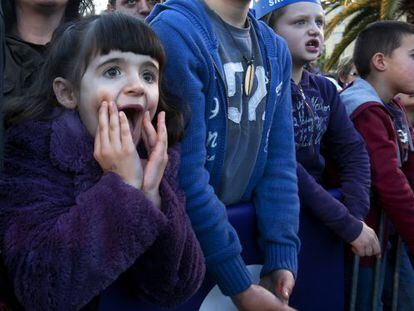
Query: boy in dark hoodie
pixel 321 122
pixel 384 58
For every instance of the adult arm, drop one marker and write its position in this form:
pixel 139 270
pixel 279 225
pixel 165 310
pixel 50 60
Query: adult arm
pixel 187 75
pixel 275 197
pixel 389 182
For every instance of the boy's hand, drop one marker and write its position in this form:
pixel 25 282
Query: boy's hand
pixel 156 143
pixel 256 298
pixel 114 149
pixel 366 244
pixel 280 283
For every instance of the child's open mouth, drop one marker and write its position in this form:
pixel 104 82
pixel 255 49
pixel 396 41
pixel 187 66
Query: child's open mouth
pixel 135 115
pixel 312 46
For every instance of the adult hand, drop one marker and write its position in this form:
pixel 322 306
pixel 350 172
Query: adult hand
pixel 280 283
pixel 366 244
pixel 256 298
pixel 114 149
pixel 156 143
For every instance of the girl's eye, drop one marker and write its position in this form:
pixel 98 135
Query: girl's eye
pixel 300 22
pixel 149 77
pixel 112 72
pixel 320 23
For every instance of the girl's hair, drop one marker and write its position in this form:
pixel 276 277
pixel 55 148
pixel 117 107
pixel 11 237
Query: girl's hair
pixel 74 9
pixel 271 18
pixel 74 46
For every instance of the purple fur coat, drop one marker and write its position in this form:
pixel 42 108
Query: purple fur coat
pixel 68 231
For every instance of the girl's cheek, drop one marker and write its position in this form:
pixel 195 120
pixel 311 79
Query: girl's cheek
pixel 154 105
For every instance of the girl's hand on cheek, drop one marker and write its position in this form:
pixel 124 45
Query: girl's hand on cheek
pixel 114 149
pixel 156 143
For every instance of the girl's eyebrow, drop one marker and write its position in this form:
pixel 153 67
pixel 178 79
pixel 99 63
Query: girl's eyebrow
pixel 114 60
pixel 119 60
pixel 151 64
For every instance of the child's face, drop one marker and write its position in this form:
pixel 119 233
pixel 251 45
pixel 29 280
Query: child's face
pixel 301 25
pixel 400 67
pixel 350 77
pixel 128 79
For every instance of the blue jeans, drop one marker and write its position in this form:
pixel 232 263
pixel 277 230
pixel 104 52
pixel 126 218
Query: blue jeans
pixel 366 281
pixel 364 300
pixel 406 282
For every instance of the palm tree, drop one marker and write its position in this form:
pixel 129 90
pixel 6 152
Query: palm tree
pixel 360 14
pixel 408 8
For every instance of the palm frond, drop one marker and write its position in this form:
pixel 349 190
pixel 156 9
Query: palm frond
pixel 358 17
pixel 389 8
pixel 347 40
pixel 332 7
pixel 346 12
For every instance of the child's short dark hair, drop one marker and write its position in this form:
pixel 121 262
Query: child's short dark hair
pixel 379 37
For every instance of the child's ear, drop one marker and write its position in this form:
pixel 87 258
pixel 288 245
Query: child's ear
pixel 64 93
pixel 379 62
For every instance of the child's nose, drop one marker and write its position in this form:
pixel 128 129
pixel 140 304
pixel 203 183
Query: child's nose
pixel 135 86
pixel 314 30
pixel 143 7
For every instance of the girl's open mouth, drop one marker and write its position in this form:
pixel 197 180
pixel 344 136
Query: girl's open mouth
pixel 135 115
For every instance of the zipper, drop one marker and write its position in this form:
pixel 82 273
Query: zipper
pixel 313 119
pixel 225 88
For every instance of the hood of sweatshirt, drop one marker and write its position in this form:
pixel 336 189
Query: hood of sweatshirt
pixel 360 92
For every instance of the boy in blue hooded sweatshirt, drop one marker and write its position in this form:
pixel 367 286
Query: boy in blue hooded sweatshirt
pixel 234 72
pixel 321 123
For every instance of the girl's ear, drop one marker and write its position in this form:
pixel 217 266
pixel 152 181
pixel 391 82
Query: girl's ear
pixel 64 93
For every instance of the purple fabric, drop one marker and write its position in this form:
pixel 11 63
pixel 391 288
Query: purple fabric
pixel 69 230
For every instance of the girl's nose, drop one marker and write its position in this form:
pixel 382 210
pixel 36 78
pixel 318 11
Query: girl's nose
pixel 135 86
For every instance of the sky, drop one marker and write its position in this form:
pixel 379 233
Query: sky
pixel 100 5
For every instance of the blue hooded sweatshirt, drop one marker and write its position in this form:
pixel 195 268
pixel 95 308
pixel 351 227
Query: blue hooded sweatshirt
pixel 320 119
pixel 195 73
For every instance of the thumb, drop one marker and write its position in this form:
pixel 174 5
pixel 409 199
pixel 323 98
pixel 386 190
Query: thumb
pixel 286 292
pixel 287 287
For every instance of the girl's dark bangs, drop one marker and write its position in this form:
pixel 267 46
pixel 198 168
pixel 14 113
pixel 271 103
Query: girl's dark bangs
pixel 126 34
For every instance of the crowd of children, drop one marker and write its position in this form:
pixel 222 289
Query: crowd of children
pixel 126 141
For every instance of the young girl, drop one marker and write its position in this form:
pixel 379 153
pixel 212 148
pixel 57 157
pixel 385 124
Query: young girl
pixel 79 204
pixel 320 121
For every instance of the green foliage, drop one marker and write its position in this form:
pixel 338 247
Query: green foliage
pixel 358 14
